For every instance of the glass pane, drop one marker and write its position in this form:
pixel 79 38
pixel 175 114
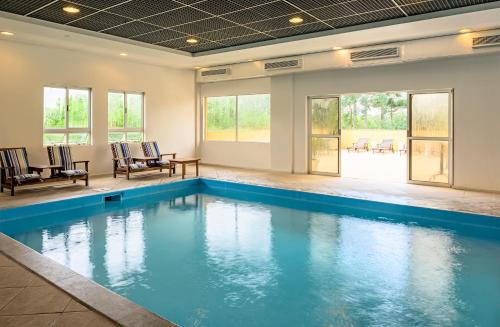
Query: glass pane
pixel 78 115
pixel 325 116
pixel 221 118
pixel 325 155
pixel 134 110
pixel 79 138
pixel 134 137
pixel 54 107
pixel 430 114
pixel 429 161
pixel 54 138
pixel 254 118
pixel 116 110
pixel 116 137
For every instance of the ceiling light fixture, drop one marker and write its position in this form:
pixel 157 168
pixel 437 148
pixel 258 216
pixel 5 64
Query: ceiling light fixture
pixel 465 30
pixel 192 40
pixel 337 48
pixel 296 20
pixel 6 33
pixel 71 10
pixel 123 54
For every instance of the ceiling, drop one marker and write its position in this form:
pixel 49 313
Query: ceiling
pixel 221 25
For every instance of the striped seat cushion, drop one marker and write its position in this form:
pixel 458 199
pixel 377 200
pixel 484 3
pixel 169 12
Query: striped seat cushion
pixel 122 152
pixel 138 165
pixel 17 159
pixel 74 172
pixel 27 177
pixel 60 155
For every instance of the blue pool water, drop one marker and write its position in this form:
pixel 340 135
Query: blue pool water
pixel 207 253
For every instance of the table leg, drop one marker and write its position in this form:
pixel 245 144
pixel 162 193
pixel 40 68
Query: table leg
pixel 197 169
pixel 183 170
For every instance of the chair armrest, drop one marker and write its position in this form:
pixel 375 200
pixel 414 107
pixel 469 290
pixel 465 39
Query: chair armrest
pixel 81 161
pixel 173 154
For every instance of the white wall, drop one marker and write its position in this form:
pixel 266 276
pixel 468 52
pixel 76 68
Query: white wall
pixel 476 84
pixel 26 69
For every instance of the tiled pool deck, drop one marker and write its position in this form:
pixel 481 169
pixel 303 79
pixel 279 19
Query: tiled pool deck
pixel 28 299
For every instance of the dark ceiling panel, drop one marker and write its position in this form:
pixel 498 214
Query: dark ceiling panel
pixel 99 21
pixel 159 36
pixel 222 23
pixel 132 29
pixel 179 16
pixel 55 13
pixel 22 7
pixel 218 7
pixel 140 9
pixel 99 4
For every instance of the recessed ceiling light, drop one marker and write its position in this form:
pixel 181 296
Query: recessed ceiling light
pixel 192 40
pixel 71 9
pixel 123 54
pixel 465 30
pixel 296 20
pixel 337 48
pixel 7 33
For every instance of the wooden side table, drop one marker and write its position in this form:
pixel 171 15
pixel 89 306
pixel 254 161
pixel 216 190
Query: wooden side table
pixel 186 161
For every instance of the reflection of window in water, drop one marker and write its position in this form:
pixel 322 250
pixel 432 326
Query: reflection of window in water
pixel 239 245
pixel 70 247
pixel 124 246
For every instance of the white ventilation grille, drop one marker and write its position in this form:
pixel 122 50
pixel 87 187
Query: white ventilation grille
pixel 375 54
pixel 486 41
pixel 216 72
pixel 283 64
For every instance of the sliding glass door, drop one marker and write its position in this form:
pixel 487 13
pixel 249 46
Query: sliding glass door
pixel 324 135
pixel 430 138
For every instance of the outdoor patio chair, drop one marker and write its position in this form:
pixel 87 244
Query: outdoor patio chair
pixel 385 146
pixel 361 144
pixel 402 148
pixel 151 149
pixel 15 169
pixel 60 155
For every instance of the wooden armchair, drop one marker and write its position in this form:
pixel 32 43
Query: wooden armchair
pixel 15 169
pixel 60 155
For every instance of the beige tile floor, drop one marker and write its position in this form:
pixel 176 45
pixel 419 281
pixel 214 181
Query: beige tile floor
pixel 28 300
pixel 391 192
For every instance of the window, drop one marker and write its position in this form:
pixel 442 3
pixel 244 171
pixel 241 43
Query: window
pixel 66 116
pixel 243 118
pixel 125 117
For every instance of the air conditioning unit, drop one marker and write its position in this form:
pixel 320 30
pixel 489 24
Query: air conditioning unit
pixel 374 54
pixel 283 63
pixel 486 41
pixel 216 72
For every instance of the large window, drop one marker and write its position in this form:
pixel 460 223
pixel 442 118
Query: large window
pixel 242 118
pixel 66 116
pixel 125 117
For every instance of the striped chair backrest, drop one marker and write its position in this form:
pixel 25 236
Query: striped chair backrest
pixel 60 155
pixel 151 149
pixel 17 158
pixel 122 152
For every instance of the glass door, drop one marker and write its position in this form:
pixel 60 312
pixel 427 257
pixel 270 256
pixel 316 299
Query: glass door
pixel 324 135
pixel 430 138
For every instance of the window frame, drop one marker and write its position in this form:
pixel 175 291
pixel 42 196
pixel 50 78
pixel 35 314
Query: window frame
pixel 66 131
pixel 125 130
pixel 237 134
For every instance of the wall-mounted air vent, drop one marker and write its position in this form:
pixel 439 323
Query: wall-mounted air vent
pixel 375 54
pixel 486 41
pixel 283 64
pixel 216 72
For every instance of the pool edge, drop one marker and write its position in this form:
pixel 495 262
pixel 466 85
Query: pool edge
pixel 100 299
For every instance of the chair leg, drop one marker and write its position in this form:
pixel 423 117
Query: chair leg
pixel 12 190
pixel 87 181
pixel 1 187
